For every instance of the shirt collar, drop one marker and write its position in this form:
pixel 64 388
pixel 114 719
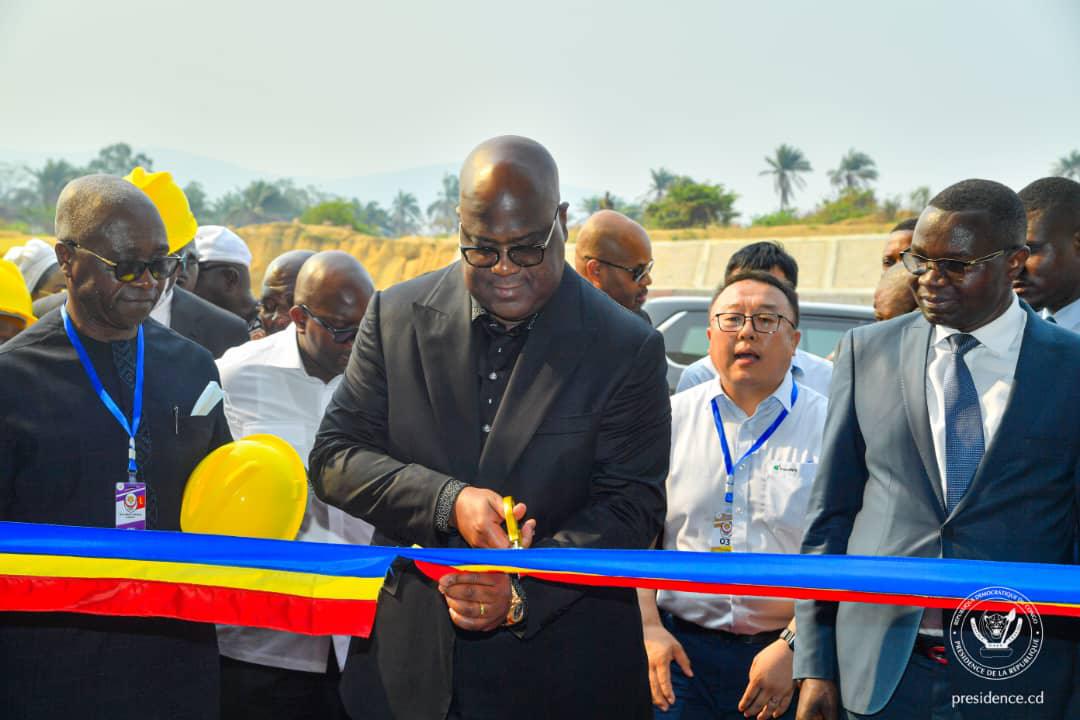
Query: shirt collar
pixel 281 349
pixel 998 335
pixel 1069 315
pixel 782 395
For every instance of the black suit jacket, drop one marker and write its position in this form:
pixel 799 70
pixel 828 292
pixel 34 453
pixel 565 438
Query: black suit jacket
pixel 61 453
pixel 196 319
pixel 208 325
pixel 582 437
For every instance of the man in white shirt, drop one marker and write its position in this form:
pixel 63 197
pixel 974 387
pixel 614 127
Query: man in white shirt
pixel 281 384
pixel 1050 281
pixel 770 257
pixel 743 455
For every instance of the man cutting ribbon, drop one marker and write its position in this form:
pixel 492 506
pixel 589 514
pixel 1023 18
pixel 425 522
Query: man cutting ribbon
pixel 95 430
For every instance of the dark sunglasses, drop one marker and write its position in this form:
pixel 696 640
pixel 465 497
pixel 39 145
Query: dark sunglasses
pixel 481 256
pixel 126 271
pixel 638 272
pixel 340 335
pixel 919 265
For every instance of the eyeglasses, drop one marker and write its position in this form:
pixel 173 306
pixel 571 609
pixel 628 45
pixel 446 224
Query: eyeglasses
pixel 126 271
pixel 521 255
pixel 766 323
pixel 341 335
pixel 919 265
pixel 638 272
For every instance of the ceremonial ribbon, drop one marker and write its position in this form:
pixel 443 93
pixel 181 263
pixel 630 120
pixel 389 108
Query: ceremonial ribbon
pixel 136 410
pixel 324 589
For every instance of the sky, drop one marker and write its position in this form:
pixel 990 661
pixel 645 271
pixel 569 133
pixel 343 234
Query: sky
pixel 934 91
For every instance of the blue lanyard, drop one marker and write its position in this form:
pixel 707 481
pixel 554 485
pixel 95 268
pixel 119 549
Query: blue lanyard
pixel 728 465
pixel 136 410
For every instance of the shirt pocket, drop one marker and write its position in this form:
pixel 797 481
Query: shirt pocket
pixel 786 493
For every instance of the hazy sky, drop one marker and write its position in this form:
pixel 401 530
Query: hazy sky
pixel 934 91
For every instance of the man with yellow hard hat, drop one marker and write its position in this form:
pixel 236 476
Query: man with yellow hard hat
pixel 177 309
pixel 15 312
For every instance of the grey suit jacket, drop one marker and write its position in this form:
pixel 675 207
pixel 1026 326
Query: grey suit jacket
pixel 878 491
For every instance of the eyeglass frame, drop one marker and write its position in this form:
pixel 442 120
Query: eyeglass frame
pixel 637 272
pixel 753 322
pixel 965 265
pixel 349 332
pixel 114 265
pixel 542 247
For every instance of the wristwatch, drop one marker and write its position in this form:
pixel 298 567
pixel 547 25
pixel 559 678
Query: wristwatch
pixel 516 614
pixel 788 636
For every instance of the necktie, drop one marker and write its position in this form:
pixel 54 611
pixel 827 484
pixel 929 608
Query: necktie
pixel 963 421
pixel 124 360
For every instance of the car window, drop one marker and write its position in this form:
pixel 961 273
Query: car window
pixel 820 336
pixel 684 336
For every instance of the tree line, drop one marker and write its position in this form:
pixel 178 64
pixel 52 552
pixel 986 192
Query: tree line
pixel 28 197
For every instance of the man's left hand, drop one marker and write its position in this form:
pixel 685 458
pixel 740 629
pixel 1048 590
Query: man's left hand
pixel 477 601
pixel 771 687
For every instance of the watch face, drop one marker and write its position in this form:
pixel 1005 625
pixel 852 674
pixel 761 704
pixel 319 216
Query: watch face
pixel 517 612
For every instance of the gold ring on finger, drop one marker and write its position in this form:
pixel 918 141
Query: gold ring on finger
pixel 482 610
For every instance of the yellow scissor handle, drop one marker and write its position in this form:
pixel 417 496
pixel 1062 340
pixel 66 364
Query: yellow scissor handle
pixel 512 530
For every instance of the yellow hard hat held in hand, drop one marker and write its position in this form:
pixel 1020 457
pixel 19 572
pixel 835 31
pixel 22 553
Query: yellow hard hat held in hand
pixel 253 487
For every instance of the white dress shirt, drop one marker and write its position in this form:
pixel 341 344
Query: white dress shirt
pixel 772 490
pixel 162 311
pixel 993 366
pixel 267 390
pixel 1067 317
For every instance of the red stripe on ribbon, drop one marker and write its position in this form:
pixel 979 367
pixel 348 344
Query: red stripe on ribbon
pixel 184 601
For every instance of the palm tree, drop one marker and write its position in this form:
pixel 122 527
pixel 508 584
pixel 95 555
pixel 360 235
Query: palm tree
pixel 1068 166
pixel 51 178
pixel 405 214
pixel 856 171
pixel 785 166
pixel 442 214
pixel 661 181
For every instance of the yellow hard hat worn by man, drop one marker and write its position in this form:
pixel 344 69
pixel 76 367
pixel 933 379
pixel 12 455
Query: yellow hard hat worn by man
pixel 15 312
pixel 172 205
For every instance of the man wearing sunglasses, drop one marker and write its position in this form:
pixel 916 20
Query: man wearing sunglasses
pixel 281 384
pixel 505 374
pixel 953 432
pixel 64 451
pixel 614 253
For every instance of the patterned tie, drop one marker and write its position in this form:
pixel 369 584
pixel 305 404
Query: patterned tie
pixel 963 421
pixel 124 357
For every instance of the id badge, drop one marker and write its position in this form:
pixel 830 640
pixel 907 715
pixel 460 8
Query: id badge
pixel 131 506
pixel 720 538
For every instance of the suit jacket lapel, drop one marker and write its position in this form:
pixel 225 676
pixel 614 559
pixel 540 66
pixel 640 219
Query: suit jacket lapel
pixel 914 344
pixel 1032 370
pixel 547 362
pixel 443 325
pixel 181 321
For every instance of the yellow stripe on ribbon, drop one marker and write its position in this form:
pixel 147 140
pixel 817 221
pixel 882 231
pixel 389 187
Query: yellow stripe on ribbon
pixel 309 585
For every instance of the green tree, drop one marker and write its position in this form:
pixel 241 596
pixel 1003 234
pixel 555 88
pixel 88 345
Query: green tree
pixel 850 204
pixel 687 203
pixel 442 214
pixel 340 212
pixel 856 171
pixel 785 166
pixel 405 218
pixel 374 216
pixel 607 201
pixel 1068 166
pixel 919 198
pixel 262 201
pixel 51 178
pixel 661 179
pixel 198 202
pixel 118 159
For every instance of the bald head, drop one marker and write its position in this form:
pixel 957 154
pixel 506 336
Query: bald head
pixel 93 209
pixel 611 249
pixel 507 177
pixel 279 283
pixel 332 294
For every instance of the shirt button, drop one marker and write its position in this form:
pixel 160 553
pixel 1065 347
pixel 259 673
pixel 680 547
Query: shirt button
pixel 491 400
pixel 492 376
pixel 486 428
pixel 500 349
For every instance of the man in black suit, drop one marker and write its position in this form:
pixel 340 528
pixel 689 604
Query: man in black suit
pixel 63 452
pixel 505 374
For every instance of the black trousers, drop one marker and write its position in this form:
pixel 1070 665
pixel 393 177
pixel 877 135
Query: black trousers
pixel 260 691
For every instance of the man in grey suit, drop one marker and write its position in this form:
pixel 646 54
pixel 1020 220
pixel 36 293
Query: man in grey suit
pixel 952 433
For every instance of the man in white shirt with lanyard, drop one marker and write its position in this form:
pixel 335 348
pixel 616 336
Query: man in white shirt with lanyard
pixel 281 385
pixel 743 455
pixel 1050 281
